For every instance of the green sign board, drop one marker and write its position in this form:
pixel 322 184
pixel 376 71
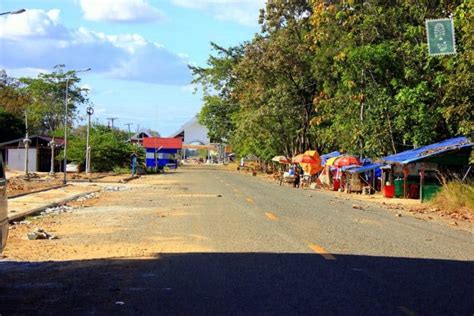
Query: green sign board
pixel 440 34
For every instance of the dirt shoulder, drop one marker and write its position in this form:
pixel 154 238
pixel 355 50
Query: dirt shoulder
pixel 19 184
pixel 424 211
pixel 123 220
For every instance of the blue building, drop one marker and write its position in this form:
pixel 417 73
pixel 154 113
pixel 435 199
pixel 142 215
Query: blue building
pixel 161 151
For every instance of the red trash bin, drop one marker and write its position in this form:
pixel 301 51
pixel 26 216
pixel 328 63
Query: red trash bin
pixel 336 184
pixel 389 191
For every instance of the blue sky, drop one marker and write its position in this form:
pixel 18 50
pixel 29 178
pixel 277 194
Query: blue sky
pixel 138 50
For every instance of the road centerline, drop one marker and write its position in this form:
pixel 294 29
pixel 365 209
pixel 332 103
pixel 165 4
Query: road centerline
pixel 271 216
pixel 321 251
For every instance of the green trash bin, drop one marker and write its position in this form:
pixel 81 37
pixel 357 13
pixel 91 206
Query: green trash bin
pixel 398 187
pixel 429 191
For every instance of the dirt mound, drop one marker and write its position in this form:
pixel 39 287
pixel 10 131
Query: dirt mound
pixel 19 185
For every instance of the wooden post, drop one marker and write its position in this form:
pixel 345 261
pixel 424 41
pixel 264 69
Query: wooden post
pixel 405 181
pixel 422 180
pixel 384 176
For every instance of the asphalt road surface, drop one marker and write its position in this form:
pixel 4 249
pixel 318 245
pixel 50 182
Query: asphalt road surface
pixel 229 243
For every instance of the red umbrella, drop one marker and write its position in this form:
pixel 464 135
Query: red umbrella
pixel 281 159
pixel 305 158
pixel 346 161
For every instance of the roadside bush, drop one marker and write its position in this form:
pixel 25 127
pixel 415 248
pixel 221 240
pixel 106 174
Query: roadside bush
pixel 456 196
pixel 109 149
pixel 122 170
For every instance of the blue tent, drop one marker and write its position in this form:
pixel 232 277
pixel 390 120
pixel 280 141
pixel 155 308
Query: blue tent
pixel 327 156
pixel 421 153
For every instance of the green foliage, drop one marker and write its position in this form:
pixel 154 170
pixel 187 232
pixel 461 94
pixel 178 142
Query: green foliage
pixel 353 76
pixel 109 149
pixel 11 127
pixel 47 94
pixel 12 99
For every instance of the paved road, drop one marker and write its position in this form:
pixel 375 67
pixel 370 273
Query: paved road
pixel 258 248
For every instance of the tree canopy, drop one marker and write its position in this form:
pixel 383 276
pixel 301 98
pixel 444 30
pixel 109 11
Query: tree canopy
pixel 353 76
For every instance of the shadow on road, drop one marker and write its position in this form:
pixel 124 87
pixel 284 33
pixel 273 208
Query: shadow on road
pixel 239 283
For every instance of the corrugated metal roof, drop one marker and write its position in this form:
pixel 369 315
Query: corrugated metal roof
pixel 165 143
pixel 428 151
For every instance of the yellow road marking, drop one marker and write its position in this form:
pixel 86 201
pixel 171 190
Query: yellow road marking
pixel 250 200
pixel 406 311
pixel 271 216
pixel 321 251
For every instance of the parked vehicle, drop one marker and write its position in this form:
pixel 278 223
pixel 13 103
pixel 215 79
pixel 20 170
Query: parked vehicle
pixel 3 207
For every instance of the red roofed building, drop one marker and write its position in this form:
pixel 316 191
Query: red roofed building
pixel 164 143
pixel 161 151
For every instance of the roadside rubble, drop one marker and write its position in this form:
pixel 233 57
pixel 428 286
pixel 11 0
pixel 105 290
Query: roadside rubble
pixel 56 210
pixel 116 188
pixel 87 197
pixel 40 233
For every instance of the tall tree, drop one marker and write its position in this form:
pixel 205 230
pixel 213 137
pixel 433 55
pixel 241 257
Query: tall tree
pixel 47 92
pixel 218 82
pixel 12 99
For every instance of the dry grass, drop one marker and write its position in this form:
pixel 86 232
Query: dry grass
pixel 456 196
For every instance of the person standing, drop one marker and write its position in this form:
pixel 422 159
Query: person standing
pixel 296 183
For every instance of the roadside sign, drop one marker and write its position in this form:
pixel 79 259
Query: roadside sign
pixel 440 33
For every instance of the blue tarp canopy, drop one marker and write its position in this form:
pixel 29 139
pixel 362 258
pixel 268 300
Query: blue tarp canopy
pixel 327 156
pixel 421 153
pixel 365 168
pixel 349 167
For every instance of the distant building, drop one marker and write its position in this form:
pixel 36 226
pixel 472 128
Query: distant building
pixel 161 151
pixel 193 133
pixel 39 153
pixel 140 136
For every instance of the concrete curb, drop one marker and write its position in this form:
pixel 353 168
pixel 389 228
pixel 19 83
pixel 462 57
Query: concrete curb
pixel 93 179
pixel 38 191
pixel 125 180
pixel 39 209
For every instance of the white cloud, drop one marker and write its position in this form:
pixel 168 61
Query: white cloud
pixel 120 11
pixel 43 42
pixel 190 88
pixel 244 12
pixel 32 23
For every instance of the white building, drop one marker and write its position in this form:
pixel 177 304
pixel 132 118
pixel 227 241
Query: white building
pixel 193 133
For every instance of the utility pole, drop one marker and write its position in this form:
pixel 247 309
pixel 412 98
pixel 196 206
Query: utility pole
pixel 129 131
pixel 112 120
pixel 90 111
pixel 52 145
pixel 65 121
pixel 26 142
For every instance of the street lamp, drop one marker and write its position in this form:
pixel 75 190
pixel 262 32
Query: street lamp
pixel 13 12
pixel 26 142
pixel 65 122
pixel 52 145
pixel 90 111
